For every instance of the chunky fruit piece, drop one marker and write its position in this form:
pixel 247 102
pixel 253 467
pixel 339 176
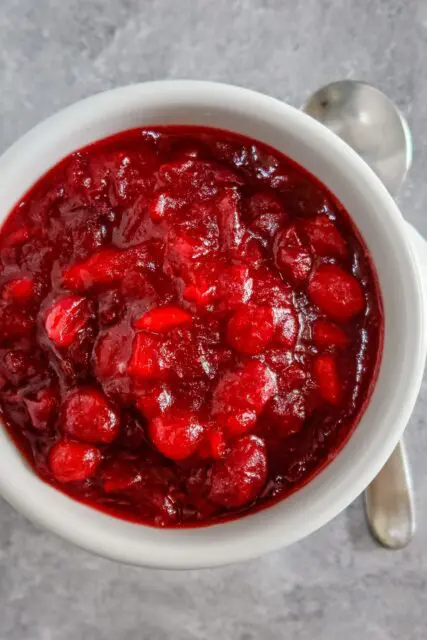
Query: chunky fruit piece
pixel 328 334
pixel 135 225
pixel 110 361
pixel 191 354
pixel 235 286
pixel 112 352
pixel 251 329
pixel 291 377
pixel 295 263
pixel 199 295
pixel 239 478
pixel 266 225
pixel 162 319
pixel 131 173
pixel 176 434
pixel 336 292
pixel 266 167
pixel 154 399
pixel 203 287
pixel 214 445
pixel 267 214
pixel 326 373
pixel 104 267
pixel 147 360
pixel 286 413
pixel 73 461
pixel 229 223
pixel 265 203
pixel 249 251
pixel 18 289
pixel 324 237
pixel 65 318
pixel 41 408
pixel 287 326
pixel 291 257
pixel 122 174
pixel 20 366
pixel 191 173
pixel 87 415
pixel 162 206
pixel 185 249
pixel 241 395
pixel 270 291
pixel 17 237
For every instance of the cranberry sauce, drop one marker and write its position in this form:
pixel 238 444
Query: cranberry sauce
pixel 190 326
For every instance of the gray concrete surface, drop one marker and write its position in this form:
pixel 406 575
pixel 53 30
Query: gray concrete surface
pixel 337 583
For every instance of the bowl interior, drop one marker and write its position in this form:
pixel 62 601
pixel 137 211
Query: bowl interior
pixel 383 230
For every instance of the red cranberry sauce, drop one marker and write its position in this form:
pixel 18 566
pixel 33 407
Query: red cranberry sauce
pixel 190 325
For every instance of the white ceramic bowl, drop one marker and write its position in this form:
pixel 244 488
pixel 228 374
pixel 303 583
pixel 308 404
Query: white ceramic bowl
pixel 384 231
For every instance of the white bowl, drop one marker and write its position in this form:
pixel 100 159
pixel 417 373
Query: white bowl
pixel 384 231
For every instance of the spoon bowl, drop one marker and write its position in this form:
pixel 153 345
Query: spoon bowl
pixel 370 123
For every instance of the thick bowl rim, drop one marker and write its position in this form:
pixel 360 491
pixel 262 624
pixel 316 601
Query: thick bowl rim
pixel 238 540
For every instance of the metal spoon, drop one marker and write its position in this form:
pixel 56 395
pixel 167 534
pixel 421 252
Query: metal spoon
pixel 370 123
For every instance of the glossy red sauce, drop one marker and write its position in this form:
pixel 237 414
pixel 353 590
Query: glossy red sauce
pixel 190 326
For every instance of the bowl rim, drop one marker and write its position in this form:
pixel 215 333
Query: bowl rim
pixel 235 540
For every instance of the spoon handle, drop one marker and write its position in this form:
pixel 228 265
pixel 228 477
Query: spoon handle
pixel 389 502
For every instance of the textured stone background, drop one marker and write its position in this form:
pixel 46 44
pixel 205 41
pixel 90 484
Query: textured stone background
pixel 338 582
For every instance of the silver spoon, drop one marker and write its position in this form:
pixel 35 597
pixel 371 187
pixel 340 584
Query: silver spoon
pixel 370 123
